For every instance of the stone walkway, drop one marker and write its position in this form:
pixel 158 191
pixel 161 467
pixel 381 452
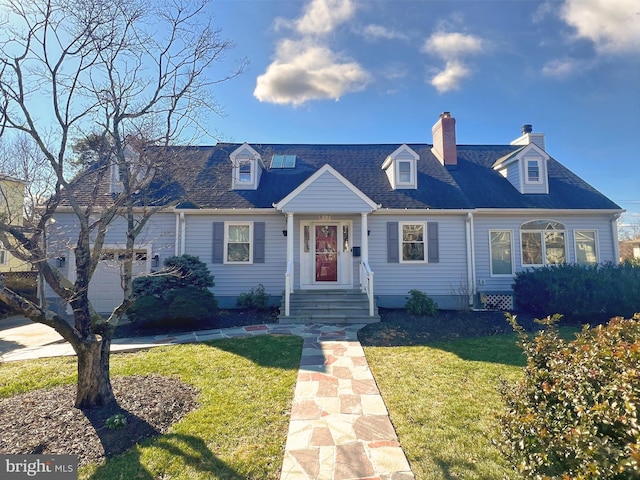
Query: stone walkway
pixel 339 428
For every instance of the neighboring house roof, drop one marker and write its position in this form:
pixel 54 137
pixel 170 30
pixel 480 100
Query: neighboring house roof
pixel 201 177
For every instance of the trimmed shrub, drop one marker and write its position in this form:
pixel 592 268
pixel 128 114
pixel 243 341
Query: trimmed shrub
pixel 178 272
pixel 586 293
pixel 575 414
pixel 256 299
pixel 419 303
pixel 178 295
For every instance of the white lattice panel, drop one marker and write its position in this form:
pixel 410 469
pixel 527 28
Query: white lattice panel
pixel 498 301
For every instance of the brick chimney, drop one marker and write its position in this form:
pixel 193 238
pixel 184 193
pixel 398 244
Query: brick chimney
pixel 444 140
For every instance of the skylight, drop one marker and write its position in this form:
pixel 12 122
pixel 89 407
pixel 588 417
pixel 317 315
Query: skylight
pixel 283 161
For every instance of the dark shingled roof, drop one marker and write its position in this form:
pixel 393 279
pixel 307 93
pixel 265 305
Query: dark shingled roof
pixel 201 178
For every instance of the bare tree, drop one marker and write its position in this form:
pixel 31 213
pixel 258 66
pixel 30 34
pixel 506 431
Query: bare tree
pixel 130 74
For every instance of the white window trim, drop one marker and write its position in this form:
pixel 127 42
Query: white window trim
pixel 595 239
pixel 513 260
pixel 251 172
pixel 425 241
pixel 226 243
pixel 543 246
pixel 527 180
pixel 412 173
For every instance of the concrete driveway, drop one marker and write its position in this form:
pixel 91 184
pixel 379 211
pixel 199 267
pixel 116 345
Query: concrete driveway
pixel 20 332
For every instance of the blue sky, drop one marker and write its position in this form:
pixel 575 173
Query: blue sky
pixel 368 71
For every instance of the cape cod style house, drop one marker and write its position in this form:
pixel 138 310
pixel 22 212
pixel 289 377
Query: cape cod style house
pixel 454 221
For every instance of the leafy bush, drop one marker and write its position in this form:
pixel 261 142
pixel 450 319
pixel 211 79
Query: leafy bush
pixel 178 295
pixel 178 272
pixel 575 414
pixel 256 299
pixel 588 293
pixel 191 304
pixel 419 303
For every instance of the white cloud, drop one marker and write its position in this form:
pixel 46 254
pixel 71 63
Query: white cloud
pixel 613 26
pixel 303 71
pixel 452 48
pixel 376 32
pixel 561 68
pixel 452 45
pixel 306 68
pixel 451 77
pixel 323 16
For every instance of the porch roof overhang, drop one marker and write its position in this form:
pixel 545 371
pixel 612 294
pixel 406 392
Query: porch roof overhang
pixel 326 191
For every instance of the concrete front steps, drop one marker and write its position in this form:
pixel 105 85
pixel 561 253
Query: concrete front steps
pixel 328 306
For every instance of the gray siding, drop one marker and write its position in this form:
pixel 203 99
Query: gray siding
pixel 328 194
pixel 484 223
pixel 231 280
pixel 444 278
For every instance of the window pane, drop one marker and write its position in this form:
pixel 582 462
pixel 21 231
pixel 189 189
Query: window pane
pixel 404 172
pixel 586 248
pixel 244 172
pixel 238 252
pixel 238 233
pixel 533 171
pixel 554 247
pixel 413 242
pixel 501 253
pixel 531 248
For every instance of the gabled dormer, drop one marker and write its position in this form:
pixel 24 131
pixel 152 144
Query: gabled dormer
pixel 401 168
pixel 247 167
pixel 526 169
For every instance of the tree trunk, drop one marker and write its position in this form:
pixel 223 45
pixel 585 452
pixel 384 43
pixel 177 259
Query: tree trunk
pixel 94 384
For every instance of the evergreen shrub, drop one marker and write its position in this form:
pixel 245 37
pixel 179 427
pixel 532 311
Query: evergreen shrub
pixel 586 293
pixel 418 303
pixel 575 413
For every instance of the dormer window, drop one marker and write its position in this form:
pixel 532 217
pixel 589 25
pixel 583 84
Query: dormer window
pixel 401 168
pixel 405 172
pixel 247 168
pixel 526 169
pixel 244 171
pixel 533 171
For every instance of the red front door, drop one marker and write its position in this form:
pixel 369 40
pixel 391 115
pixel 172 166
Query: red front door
pixel 326 253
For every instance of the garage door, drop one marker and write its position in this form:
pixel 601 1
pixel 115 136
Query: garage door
pixel 105 289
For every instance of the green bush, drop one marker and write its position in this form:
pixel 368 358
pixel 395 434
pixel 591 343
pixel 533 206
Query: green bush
pixel 256 299
pixel 191 304
pixel 575 414
pixel 419 303
pixel 178 272
pixel 587 293
pixel 177 296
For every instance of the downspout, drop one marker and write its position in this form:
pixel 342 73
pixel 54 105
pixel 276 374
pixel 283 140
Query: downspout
pixel 614 237
pixel 177 241
pixel 471 263
pixel 183 233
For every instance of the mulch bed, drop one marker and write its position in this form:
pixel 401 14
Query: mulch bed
pixel 45 422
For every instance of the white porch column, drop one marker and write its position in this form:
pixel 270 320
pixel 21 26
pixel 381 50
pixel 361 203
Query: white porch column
pixel 290 235
pixel 364 240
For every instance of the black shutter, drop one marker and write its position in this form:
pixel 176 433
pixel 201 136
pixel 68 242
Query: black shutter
pixel 433 246
pixel 218 242
pixel 393 247
pixel 258 242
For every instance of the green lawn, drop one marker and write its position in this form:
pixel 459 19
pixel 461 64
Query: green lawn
pixel 442 399
pixel 238 432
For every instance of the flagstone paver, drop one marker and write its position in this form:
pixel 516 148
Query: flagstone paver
pixel 339 426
